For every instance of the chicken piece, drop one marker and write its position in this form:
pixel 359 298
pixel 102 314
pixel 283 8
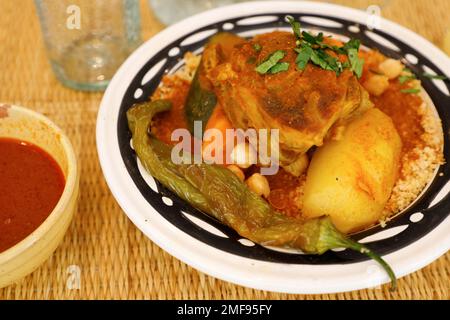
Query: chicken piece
pixel 303 105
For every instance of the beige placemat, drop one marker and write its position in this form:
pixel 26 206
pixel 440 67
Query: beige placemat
pixel 112 259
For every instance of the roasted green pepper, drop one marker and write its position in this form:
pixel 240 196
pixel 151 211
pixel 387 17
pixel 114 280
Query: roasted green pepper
pixel 218 192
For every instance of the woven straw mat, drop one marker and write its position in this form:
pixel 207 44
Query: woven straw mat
pixel 112 257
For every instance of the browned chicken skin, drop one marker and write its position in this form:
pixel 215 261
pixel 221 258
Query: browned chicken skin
pixel 303 105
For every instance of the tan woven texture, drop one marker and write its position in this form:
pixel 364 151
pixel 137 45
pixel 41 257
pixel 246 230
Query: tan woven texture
pixel 113 259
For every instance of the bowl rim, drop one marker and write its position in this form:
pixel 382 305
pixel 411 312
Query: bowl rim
pixel 222 265
pixel 72 180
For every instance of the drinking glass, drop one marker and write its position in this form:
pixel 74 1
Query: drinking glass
pixel 87 40
pixel 171 11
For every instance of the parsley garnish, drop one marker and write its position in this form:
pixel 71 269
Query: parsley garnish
pixel 279 67
pixel 434 76
pixel 407 76
pixel 296 26
pixel 304 55
pixel 312 39
pixel 271 62
pixel 352 44
pixel 356 64
pixel 325 61
pixel 312 48
pixel 410 91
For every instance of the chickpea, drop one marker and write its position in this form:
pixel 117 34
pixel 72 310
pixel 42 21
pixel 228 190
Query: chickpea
pixel 259 185
pixel 237 171
pixel 391 68
pixel 376 84
pixel 244 155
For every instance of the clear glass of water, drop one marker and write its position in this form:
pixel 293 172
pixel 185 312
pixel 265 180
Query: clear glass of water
pixel 87 40
pixel 171 11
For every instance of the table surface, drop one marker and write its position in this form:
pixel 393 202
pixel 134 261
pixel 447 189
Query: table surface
pixel 111 258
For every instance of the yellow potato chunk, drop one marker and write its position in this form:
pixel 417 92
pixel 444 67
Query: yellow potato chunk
pixel 351 179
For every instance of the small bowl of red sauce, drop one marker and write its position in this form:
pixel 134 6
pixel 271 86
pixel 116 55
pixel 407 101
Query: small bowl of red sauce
pixel 39 185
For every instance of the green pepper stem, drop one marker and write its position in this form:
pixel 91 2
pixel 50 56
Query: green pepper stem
pixel 356 246
pixel 331 238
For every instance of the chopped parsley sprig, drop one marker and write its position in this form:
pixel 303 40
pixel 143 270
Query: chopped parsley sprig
pixel 410 91
pixel 311 48
pixel 296 27
pixel 272 64
pixel 434 76
pixel 408 76
pixel 279 67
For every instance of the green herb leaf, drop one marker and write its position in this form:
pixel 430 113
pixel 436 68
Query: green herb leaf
pixel 356 64
pixel 304 55
pixel 279 67
pixel 313 49
pixel 318 57
pixel 406 78
pixel 434 76
pixel 333 63
pixel 325 61
pixel 319 37
pixel 410 91
pixel 296 26
pixel 318 60
pixel 352 44
pixel 340 66
pixel 271 61
pixel 309 38
pixel 336 49
pixel 257 47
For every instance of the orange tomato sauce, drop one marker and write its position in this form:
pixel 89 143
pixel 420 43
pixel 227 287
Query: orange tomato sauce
pixel 283 192
pixel 403 108
pixel 404 111
pixel 31 184
pixel 165 123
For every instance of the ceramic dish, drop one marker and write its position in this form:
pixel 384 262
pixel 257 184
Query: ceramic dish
pixel 24 257
pixel 413 239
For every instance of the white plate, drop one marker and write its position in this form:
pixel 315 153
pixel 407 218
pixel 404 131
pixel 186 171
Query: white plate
pixel 254 273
